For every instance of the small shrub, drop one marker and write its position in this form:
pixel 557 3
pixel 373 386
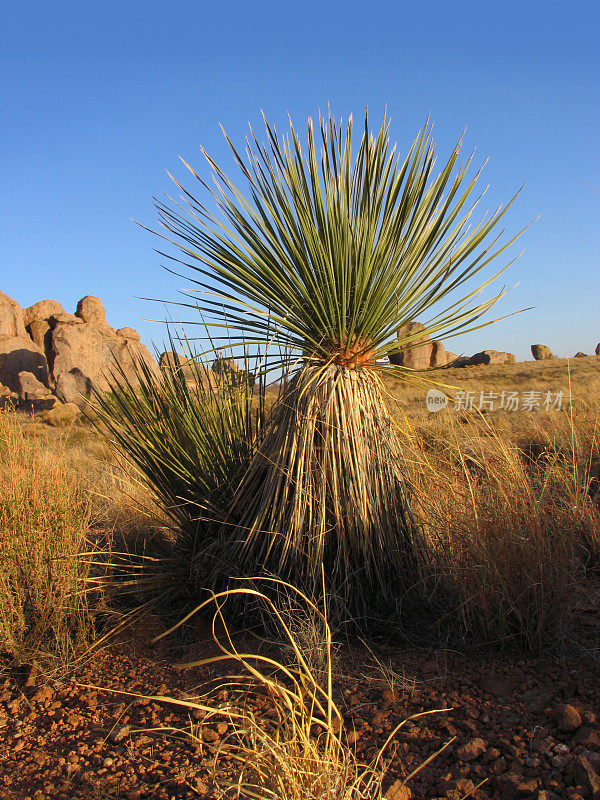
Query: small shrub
pixel 46 598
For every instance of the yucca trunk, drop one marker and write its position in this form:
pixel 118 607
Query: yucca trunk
pixel 325 487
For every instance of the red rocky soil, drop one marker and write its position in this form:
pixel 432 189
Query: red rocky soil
pixel 522 728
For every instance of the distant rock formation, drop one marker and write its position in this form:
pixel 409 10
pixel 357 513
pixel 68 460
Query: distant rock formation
pixel 597 350
pixel 190 371
pixel 48 356
pixel 541 353
pixel 580 355
pixel 421 352
pixel 484 358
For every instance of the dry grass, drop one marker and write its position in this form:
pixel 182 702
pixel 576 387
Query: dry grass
pixel 513 521
pixel 285 738
pixel 47 589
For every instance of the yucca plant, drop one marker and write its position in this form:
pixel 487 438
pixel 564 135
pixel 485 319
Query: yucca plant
pixel 325 256
pixel 188 434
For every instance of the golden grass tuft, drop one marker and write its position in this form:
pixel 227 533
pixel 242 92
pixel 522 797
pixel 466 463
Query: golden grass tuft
pixel 285 733
pixel 47 593
pixel 513 522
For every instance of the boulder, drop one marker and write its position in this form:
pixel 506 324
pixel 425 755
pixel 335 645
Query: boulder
pixel 68 319
pixel 597 350
pixel 129 333
pixel 8 399
pixel 33 395
pixel 580 355
pixel 42 310
pixel 95 351
pixel 90 309
pixel 175 362
pixel 12 321
pixel 21 354
pixel 541 353
pixel 450 358
pixel 415 348
pixel 439 357
pixel 491 357
pixel 224 366
pixel 39 330
pixel 73 387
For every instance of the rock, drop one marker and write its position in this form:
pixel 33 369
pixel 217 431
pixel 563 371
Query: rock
pixel 593 756
pixel 229 374
pixel 73 387
pixel 8 399
pixel 546 794
pixel 21 354
pixel 129 333
pixel 566 717
pixel 39 330
pixel 95 352
pixel 499 687
pixel 588 737
pixel 90 309
pixel 511 787
pixel 67 319
pixel 42 310
pixel 580 355
pixel 398 791
pixel 491 357
pixel 471 750
pixel 462 786
pixel 541 353
pixel 12 321
pixel 586 776
pixel 224 366
pixel 33 394
pixel 44 694
pixel 177 363
pixel 416 348
pixel 119 732
pixel 597 350
pixel 190 371
pixel 450 358
pixel 62 414
pixel 209 735
pixel 439 357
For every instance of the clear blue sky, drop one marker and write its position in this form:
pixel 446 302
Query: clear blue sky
pixel 99 99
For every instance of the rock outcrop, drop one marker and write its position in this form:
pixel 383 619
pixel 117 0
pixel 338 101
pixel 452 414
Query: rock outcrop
pixel 177 363
pixel 73 387
pixel 419 351
pixel 491 357
pixel 416 347
pixel 12 321
pixel 96 350
pixel 541 353
pixel 47 354
pixel 597 350
pixel 21 354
